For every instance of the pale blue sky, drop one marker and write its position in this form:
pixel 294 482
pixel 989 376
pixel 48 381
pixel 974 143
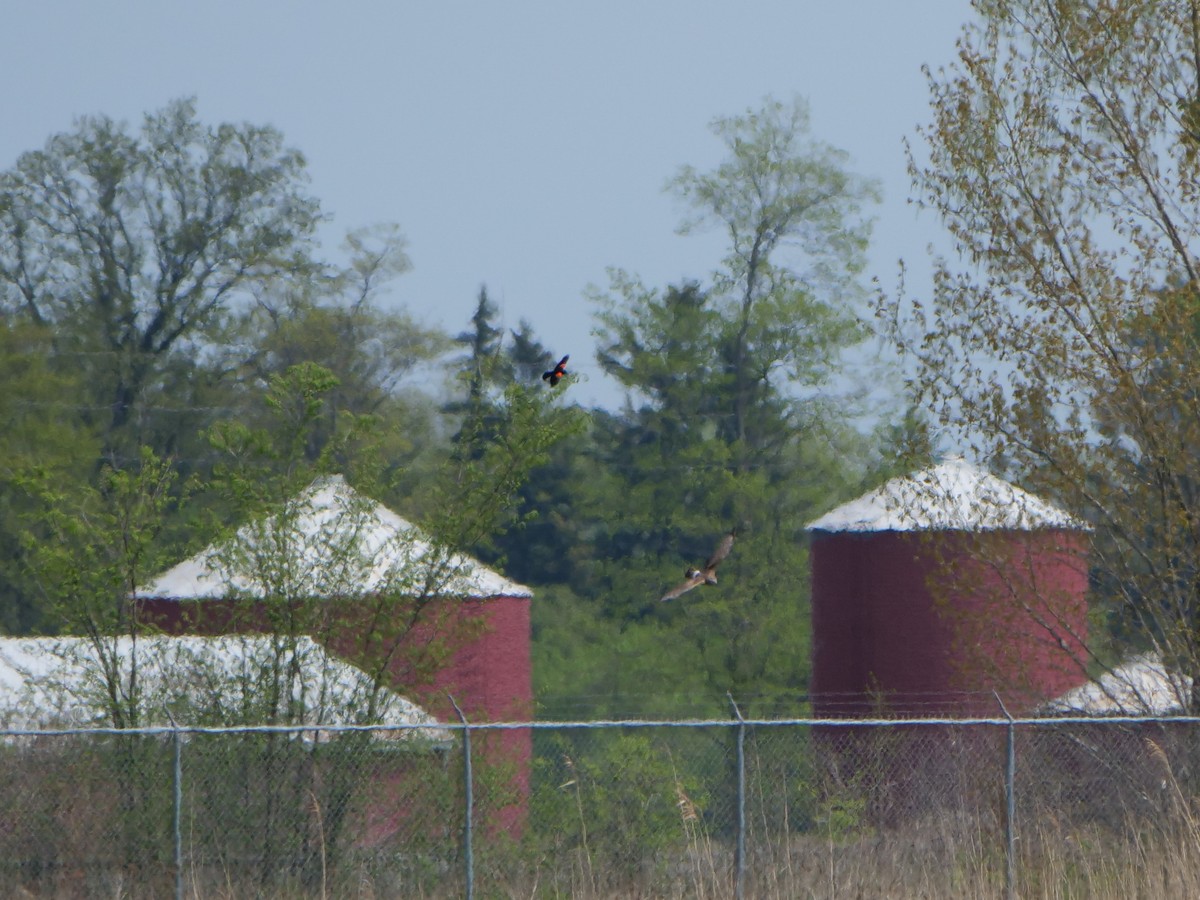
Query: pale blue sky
pixel 523 145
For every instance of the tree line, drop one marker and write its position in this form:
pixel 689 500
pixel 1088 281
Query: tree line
pixel 171 334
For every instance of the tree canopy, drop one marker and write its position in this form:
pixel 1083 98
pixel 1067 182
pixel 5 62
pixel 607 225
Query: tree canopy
pixel 719 430
pixel 171 332
pixel 135 246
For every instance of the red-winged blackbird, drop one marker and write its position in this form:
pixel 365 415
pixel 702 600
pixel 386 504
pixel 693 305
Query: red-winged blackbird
pixel 555 374
pixel 707 575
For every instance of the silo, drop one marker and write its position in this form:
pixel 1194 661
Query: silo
pixel 940 588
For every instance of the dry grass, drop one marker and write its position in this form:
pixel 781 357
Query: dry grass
pixel 945 859
pixel 948 853
pixel 951 856
pixel 1142 840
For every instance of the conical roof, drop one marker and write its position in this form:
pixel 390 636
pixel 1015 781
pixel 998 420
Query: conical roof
pixel 329 542
pixel 1141 686
pixel 951 496
pixel 57 681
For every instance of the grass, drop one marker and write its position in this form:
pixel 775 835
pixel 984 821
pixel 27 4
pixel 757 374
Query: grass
pixel 950 855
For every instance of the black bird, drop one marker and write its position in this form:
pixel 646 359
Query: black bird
pixel 707 575
pixel 556 374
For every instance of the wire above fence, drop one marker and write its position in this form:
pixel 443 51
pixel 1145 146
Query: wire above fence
pixel 543 725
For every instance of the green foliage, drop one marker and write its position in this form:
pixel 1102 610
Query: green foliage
pixel 88 550
pixel 777 192
pixel 368 351
pixel 477 376
pixel 134 246
pixel 337 322
pixel 43 438
pixel 685 476
pixel 541 543
pixel 479 495
pixel 526 357
pixel 266 465
pixel 511 426
pixel 616 804
pixel 587 664
pixel 720 431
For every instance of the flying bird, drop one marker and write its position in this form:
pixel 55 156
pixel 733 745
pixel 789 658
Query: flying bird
pixel 706 575
pixel 556 374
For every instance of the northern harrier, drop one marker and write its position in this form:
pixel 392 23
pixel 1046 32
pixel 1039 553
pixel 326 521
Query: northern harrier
pixel 706 575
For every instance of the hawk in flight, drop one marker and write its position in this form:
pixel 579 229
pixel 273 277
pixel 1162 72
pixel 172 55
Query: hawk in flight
pixel 706 575
pixel 556 374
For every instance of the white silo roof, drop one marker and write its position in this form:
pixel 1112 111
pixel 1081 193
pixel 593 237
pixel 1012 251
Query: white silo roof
pixel 1142 686
pixel 953 495
pixel 48 682
pixel 338 544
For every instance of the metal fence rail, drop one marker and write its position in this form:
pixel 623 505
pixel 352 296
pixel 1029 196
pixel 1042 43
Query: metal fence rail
pixel 738 807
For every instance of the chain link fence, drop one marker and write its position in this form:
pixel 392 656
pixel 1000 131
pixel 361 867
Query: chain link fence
pixel 829 808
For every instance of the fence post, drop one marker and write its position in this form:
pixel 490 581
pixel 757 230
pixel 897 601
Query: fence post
pixel 739 856
pixel 177 805
pixel 469 812
pixel 1010 804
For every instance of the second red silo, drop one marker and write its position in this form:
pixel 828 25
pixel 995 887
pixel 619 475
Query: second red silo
pixel 941 590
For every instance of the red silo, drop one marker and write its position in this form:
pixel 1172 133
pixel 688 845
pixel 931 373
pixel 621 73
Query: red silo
pixel 466 634
pixel 942 589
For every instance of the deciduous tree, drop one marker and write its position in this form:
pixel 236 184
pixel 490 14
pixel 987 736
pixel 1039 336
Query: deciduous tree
pixel 794 218
pixel 136 246
pixel 340 322
pixel 1062 338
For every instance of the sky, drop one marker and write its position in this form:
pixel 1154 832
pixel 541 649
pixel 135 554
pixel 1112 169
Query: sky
pixel 524 145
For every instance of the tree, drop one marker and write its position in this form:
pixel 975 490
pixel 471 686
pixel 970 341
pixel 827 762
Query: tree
pixel 338 322
pixel 1062 158
pixel 89 550
pixel 538 550
pixel 42 433
pixel 669 482
pixel 526 356
pixel 499 377
pixel 477 372
pixel 134 247
pixel 720 429
pixel 668 456
pixel 779 190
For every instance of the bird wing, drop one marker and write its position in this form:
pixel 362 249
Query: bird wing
pixel 720 552
pixel 683 588
pixel 557 372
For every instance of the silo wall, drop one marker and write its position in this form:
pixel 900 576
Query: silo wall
pixel 917 623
